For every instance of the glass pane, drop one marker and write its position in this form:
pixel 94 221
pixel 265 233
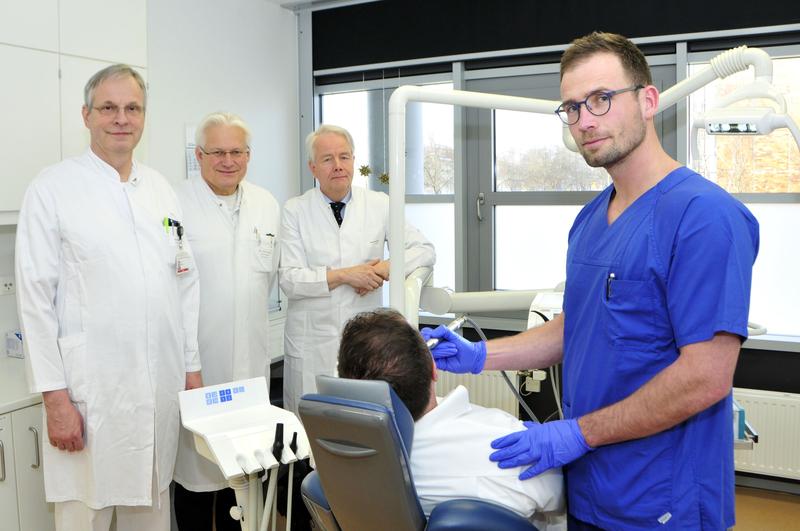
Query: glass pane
pixel 776 286
pixel 437 223
pixel 351 111
pixel 437 137
pixel 745 163
pixel 530 156
pixel 531 245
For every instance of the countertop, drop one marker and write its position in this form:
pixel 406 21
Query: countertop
pixel 14 386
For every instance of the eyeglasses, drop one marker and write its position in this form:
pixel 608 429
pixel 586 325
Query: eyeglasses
pixel 598 103
pixel 132 110
pixel 219 154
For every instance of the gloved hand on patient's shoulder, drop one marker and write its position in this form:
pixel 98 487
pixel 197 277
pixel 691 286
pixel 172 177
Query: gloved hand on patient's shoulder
pixel 544 446
pixel 455 354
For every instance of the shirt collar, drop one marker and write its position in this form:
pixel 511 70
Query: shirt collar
pixel 109 171
pixel 346 199
pixel 455 403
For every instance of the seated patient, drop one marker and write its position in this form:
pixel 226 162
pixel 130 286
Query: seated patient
pixel 450 452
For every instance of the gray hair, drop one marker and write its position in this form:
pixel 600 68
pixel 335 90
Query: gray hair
pixel 117 70
pixel 323 129
pixel 220 118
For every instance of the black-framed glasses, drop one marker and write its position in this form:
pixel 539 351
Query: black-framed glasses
pixel 598 103
pixel 219 154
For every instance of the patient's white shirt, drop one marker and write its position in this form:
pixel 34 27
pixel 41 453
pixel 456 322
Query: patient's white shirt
pixel 450 459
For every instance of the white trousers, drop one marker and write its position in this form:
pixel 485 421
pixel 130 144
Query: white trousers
pixel 77 516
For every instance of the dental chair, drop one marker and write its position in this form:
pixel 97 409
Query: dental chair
pixel 360 434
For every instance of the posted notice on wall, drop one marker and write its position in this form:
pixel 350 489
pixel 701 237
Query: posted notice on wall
pixel 192 166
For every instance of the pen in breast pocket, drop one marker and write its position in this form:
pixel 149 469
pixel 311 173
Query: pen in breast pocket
pixel 611 278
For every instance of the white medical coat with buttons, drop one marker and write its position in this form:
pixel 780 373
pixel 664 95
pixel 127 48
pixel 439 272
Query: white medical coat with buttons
pixel 450 459
pixel 237 257
pixel 105 316
pixel 312 243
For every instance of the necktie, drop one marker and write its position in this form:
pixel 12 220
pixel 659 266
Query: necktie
pixel 337 207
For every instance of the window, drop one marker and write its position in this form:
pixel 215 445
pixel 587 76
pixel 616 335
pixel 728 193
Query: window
pixel 765 170
pixel 750 164
pixel 530 156
pixel 531 245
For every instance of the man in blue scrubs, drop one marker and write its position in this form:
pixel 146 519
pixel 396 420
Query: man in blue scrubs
pixel 657 295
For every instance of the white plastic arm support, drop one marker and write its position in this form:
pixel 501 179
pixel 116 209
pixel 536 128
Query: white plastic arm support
pixel 413 286
pixel 723 65
pixel 397 160
pixel 443 300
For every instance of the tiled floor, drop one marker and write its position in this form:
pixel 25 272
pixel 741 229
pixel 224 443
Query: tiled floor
pixel 763 510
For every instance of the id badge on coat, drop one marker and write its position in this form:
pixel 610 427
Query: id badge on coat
pixel 183 262
pixel 264 251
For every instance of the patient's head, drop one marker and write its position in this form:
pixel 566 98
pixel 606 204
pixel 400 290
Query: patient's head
pixel 381 345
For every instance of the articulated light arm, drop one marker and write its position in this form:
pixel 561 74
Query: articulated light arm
pixel 725 64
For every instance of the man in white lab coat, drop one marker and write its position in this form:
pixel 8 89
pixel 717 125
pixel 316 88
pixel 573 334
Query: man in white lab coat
pixel 232 226
pixel 332 267
pixel 448 454
pixel 108 303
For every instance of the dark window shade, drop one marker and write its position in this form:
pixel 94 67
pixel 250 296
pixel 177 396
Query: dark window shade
pixel 399 30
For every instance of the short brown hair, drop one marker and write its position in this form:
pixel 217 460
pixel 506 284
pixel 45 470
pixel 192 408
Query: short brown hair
pixel 633 60
pixel 381 345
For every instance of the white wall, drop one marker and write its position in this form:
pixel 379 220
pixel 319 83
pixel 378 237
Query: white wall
pixel 205 56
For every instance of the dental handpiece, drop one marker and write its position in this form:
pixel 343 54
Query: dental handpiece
pixel 453 326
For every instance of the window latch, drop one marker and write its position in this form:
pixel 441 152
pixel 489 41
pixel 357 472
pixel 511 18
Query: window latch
pixel 480 201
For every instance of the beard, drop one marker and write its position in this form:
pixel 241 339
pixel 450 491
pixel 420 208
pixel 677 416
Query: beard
pixel 620 148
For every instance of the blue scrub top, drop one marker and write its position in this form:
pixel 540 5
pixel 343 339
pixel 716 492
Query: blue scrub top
pixel 681 257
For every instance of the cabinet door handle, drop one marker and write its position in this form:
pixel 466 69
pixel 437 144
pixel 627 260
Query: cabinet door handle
pixel 2 462
pixel 35 446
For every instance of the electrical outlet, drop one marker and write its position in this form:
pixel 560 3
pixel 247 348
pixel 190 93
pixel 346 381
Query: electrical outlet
pixel 7 286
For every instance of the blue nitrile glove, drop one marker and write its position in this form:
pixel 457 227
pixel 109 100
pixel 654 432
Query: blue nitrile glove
pixel 544 446
pixel 454 353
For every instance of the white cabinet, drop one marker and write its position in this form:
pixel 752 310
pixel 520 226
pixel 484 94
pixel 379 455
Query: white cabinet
pixel 109 30
pixel 22 501
pixel 30 135
pixel 9 517
pixel 34 511
pixel 32 23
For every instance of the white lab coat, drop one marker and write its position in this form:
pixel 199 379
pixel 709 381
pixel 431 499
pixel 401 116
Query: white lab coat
pixel 450 459
pixel 104 315
pixel 238 266
pixel 312 243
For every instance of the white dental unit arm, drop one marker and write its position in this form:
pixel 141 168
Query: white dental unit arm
pixel 236 428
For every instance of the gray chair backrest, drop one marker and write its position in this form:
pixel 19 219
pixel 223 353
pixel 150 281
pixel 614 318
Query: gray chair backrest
pixel 355 427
